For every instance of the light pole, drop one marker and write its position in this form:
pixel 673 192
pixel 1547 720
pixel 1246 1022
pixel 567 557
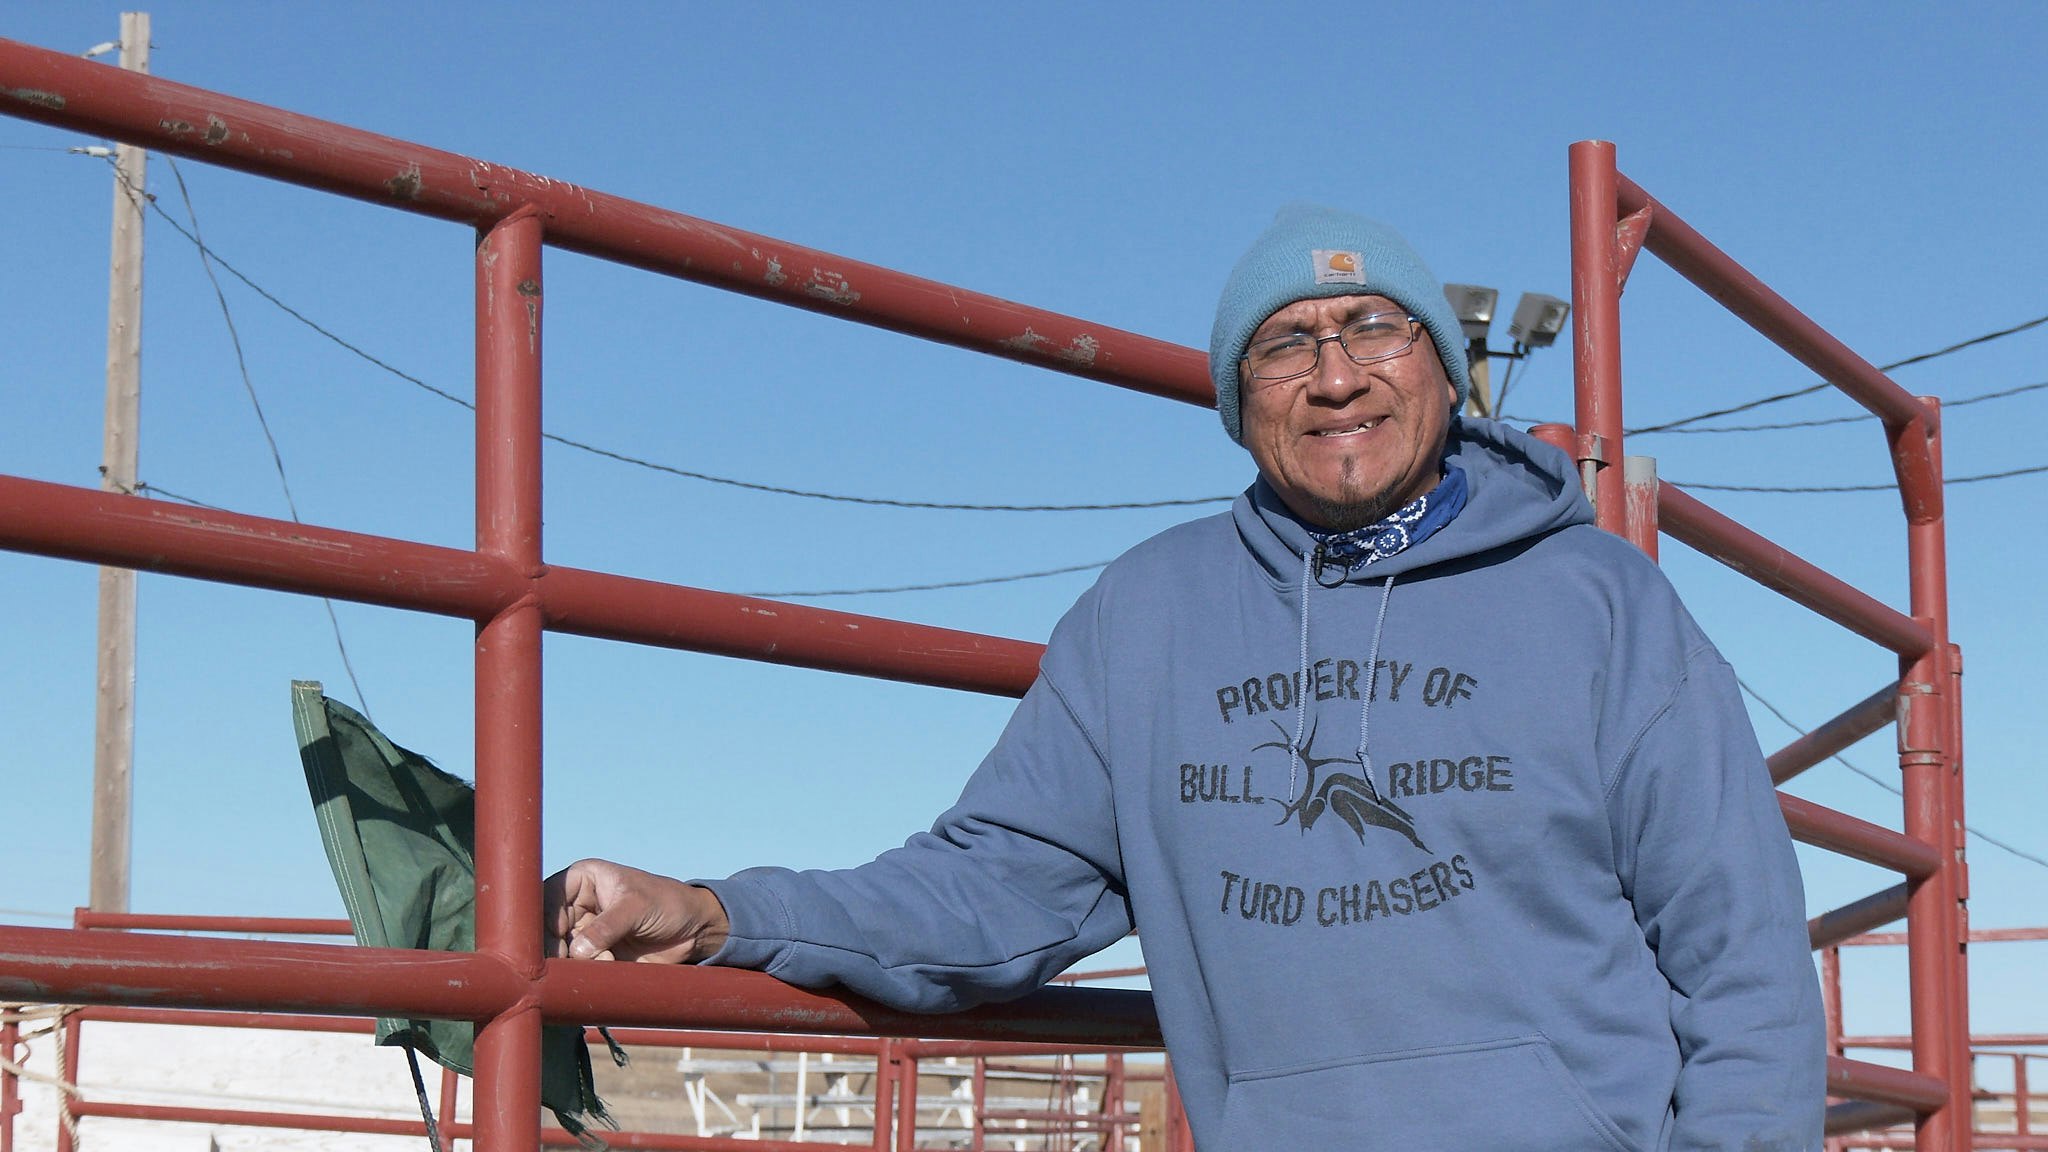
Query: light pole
pixel 1537 320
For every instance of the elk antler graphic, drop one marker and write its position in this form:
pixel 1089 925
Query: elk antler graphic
pixel 1352 797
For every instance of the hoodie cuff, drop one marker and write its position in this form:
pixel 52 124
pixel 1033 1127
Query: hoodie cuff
pixel 759 923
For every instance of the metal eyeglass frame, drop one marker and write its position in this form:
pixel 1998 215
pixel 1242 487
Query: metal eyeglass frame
pixel 1337 338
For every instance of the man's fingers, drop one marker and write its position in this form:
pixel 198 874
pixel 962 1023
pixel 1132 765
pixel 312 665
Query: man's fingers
pixel 592 937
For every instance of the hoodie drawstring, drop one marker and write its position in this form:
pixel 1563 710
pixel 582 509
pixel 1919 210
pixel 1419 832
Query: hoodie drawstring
pixel 1311 563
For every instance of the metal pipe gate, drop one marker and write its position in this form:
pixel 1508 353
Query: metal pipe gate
pixel 1613 221
pixel 507 587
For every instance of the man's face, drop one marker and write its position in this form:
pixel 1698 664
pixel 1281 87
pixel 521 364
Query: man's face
pixel 1347 443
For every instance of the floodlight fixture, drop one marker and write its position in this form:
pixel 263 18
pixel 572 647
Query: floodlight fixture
pixel 1474 305
pixel 1538 319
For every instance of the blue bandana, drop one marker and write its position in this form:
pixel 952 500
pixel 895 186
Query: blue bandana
pixel 1410 525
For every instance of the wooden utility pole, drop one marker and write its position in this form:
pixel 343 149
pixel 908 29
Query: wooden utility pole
pixel 114 726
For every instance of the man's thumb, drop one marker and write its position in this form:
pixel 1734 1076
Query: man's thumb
pixel 593 939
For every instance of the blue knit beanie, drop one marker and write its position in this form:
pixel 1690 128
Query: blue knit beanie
pixel 1311 252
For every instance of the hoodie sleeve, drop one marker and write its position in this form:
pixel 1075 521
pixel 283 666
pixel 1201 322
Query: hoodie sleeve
pixel 1021 878
pixel 1704 856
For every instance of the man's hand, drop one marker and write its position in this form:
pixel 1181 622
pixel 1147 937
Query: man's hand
pixel 598 910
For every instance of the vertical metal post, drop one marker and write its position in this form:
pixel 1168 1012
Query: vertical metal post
pixel 1831 1010
pixel 1639 494
pixel 1113 1102
pixel 1958 855
pixel 1928 715
pixel 906 1106
pixel 114 719
pixel 980 1137
pixel 885 1096
pixel 1596 329
pixel 1178 1137
pixel 451 1085
pixel 2022 1110
pixel 10 1094
pixel 508 671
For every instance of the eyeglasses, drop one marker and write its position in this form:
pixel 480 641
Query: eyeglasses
pixel 1378 336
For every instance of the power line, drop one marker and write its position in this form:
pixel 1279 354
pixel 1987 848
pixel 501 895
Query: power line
pixel 248 385
pixel 1808 489
pixel 1860 416
pixel 209 254
pixel 209 257
pixel 1921 358
pixel 928 587
pixel 1884 784
pixel 144 488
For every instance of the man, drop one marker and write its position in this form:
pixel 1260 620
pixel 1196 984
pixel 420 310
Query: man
pixel 1441 821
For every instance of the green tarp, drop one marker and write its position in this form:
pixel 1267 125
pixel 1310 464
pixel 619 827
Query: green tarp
pixel 400 835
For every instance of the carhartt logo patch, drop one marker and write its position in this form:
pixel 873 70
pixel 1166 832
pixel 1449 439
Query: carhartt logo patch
pixel 1338 267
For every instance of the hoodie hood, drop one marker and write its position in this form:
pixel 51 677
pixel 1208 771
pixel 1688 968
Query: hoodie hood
pixel 1519 488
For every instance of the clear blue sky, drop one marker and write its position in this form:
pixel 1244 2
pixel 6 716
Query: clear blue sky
pixel 1879 165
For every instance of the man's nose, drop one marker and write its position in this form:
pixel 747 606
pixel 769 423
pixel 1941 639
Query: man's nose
pixel 1336 374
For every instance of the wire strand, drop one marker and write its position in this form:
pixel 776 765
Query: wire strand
pixel 1809 489
pixel 1807 391
pixel 1856 417
pixel 640 462
pixel 1884 784
pixel 928 587
pixel 249 385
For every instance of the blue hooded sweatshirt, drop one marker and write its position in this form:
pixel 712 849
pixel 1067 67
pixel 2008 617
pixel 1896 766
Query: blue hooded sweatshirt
pixel 1471 848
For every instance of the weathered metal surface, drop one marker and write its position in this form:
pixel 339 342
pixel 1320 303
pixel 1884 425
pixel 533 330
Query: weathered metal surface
pixel 1736 289
pixel 508 669
pixel 1857 721
pixel 1871 843
pixel 1885 1085
pixel 36 84
pixel 58 965
pixel 55 965
pixel 1686 519
pixel 720 998
pixel 1639 498
pixel 108 528
pixel 1596 330
pixel 1629 233
pixel 1843 925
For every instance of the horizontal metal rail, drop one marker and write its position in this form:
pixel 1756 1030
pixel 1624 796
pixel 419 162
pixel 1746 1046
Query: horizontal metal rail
pixel 1696 258
pixel 450 1129
pixel 1884 1084
pixel 1975 936
pixel 1871 843
pixel 1840 925
pixel 1859 720
pixel 58 965
pixel 51 87
pixel 98 527
pixel 156 921
pixel 1684 518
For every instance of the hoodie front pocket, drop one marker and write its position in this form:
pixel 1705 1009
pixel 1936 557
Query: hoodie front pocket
pixel 1511 1095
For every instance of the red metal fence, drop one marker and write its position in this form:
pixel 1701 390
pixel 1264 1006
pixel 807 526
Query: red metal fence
pixel 513 594
pixel 2019 1053
pixel 1613 221
pixel 894 1068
